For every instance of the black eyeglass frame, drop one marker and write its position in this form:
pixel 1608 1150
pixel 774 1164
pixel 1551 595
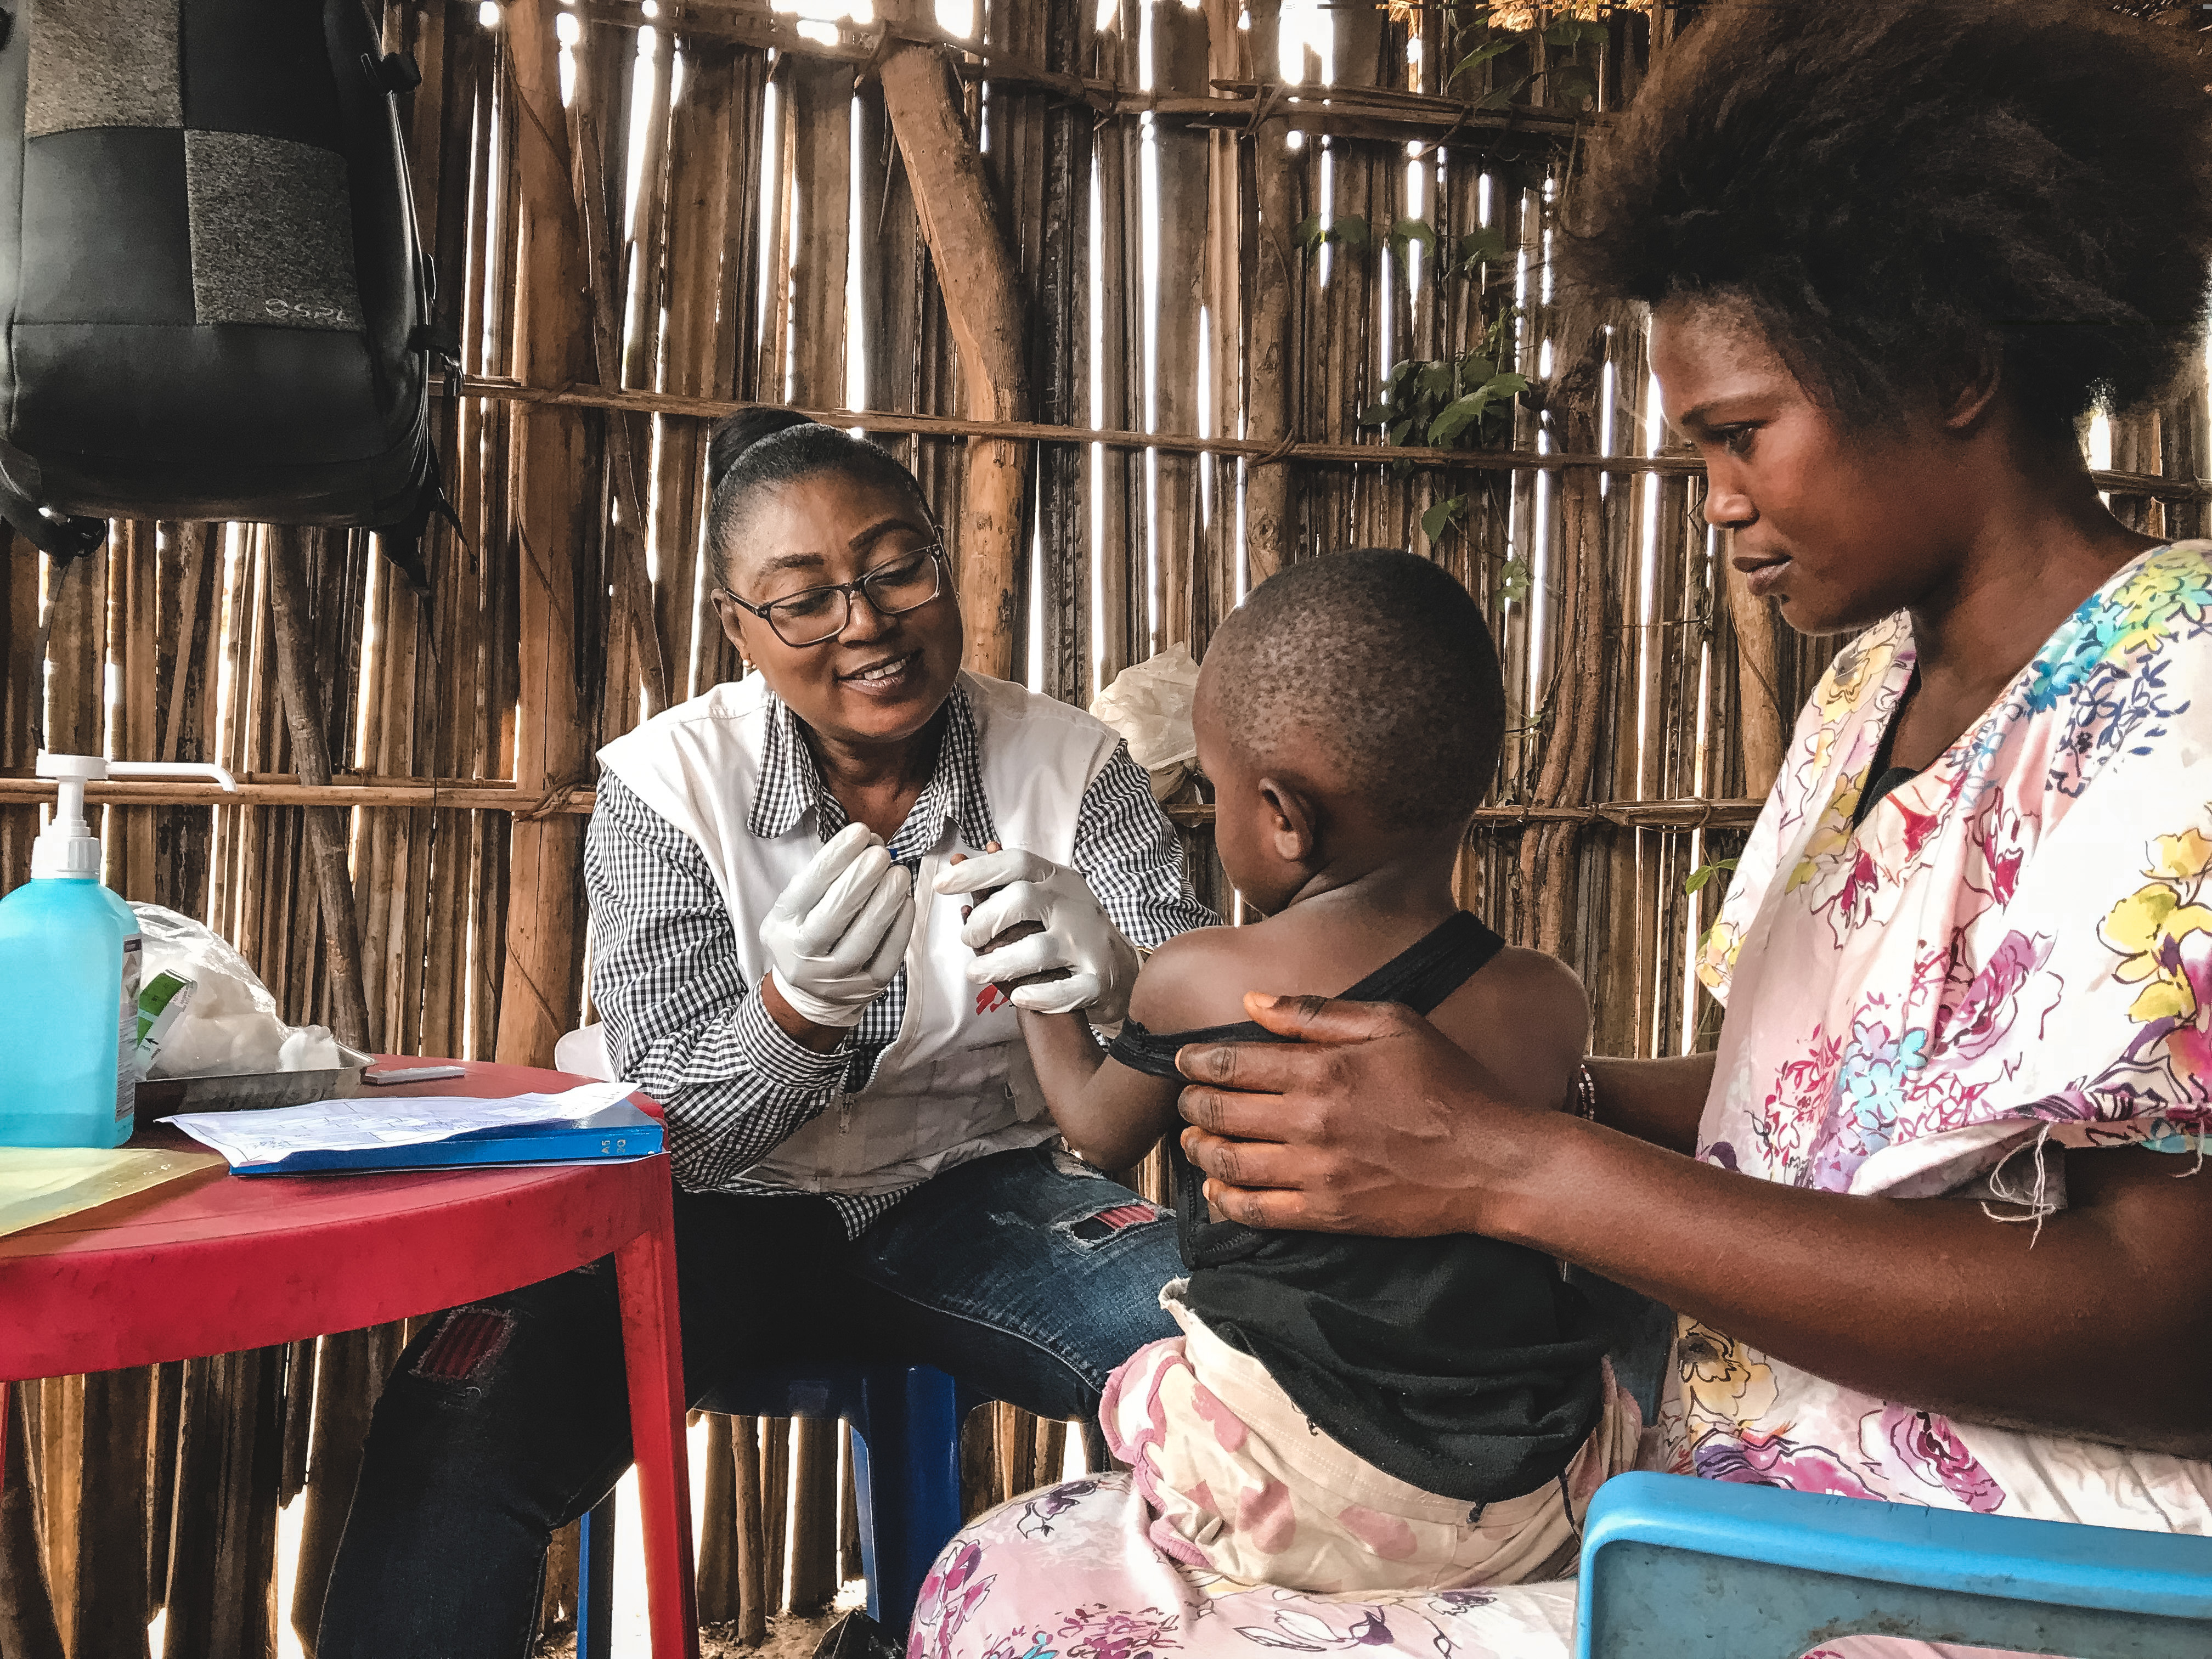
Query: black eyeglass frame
pixel 935 552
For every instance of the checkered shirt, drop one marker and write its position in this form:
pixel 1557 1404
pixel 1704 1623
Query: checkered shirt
pixel 681 1020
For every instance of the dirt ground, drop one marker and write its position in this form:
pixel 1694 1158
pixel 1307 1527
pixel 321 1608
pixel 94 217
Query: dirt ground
pixel 793 1636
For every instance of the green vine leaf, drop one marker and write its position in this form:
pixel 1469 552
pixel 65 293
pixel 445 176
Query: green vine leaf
pixel 1485 246
pixel 1497 47
pixel 1374 414
pixel 1458 415
pixel 1704 873
pixel 1441 516
pixel 1353 232
pixel 1413 230
pixel 1311 233
pixel 1571 32
pixel 1515 579
pixel 1569 83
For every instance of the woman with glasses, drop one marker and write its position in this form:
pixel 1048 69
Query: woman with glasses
pixel 783 954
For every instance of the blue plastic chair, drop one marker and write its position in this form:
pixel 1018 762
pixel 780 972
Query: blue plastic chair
pixel 906 1472
pixel 1678 1568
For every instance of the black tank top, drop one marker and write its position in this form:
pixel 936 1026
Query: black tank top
pixel 1463 1365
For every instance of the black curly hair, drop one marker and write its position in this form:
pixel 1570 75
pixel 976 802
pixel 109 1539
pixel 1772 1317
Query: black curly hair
pixel 1892 188
pixel 756 449
pixel 1377 659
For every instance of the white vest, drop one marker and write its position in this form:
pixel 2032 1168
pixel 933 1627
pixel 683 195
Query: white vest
pixel 956 1083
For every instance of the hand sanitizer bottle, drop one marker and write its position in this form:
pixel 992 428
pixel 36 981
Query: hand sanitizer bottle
pixel 69 977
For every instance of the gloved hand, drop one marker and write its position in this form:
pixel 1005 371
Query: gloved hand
pixel 1076 935
pixel 836 935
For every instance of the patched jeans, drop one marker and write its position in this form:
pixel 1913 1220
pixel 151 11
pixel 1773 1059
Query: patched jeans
pixel 1025 1277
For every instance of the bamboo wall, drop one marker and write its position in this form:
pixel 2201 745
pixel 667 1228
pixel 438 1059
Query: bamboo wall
pixel 644 215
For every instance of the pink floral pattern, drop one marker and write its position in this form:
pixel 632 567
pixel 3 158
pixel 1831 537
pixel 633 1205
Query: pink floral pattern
pixel 1928 1446
pixel 1969 971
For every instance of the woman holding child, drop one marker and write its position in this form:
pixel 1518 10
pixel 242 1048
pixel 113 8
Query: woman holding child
pixel 783 957
pixel 1930 1215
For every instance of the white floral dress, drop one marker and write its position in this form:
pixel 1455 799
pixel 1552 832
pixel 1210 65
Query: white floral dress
pixel 2013 949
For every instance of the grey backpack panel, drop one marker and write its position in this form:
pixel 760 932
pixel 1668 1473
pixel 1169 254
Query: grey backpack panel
pixel 216 304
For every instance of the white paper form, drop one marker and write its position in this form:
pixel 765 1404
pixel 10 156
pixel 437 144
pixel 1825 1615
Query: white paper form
pixel 365 1122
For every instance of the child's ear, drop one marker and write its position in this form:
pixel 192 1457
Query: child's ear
pixel 1290 823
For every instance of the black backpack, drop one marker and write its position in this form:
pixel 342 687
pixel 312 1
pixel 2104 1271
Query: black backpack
pixel 213 300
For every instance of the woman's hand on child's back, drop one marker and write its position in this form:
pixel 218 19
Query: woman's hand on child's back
pixel 1373 1122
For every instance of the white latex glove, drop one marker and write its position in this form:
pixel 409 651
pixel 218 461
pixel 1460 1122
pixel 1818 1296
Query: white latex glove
pixel 838 932
pixel 1077 936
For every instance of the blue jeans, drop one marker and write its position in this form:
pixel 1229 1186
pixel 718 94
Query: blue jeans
pixel 508 1419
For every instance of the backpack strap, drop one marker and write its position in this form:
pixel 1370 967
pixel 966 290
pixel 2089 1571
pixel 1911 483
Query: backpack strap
pixel 402 537
pixel 61 539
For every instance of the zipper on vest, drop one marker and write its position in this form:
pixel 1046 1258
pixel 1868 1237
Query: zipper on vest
pixel 844 1109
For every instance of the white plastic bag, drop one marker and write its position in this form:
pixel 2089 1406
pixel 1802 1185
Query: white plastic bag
pixel 230 1025
pixel 1149 704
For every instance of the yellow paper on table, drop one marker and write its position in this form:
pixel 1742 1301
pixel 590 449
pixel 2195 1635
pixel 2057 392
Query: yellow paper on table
pixel 39 1183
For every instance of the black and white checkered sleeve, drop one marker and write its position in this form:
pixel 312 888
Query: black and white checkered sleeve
pixel 1129 853
pixel 681 1021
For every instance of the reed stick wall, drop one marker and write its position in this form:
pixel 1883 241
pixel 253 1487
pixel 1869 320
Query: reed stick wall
pixel 1131 386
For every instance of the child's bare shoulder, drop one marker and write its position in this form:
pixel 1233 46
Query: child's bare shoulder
pixel 1198 978
pixel 1533 1003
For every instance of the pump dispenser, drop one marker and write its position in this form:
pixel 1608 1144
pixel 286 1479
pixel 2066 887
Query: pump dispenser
pixel 69 974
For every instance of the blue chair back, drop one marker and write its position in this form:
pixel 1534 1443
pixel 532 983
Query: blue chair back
pixel 1678 1568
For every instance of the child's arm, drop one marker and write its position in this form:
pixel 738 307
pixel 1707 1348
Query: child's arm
pixel 1110 1115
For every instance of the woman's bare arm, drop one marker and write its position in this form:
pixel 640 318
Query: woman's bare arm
pixel 2081 1330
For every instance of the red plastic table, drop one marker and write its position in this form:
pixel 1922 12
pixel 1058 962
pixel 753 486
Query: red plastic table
pixel 213 1263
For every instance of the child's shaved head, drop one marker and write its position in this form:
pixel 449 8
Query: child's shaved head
pixel 1378 665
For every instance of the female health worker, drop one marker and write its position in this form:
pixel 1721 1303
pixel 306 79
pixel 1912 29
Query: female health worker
pixel 783 956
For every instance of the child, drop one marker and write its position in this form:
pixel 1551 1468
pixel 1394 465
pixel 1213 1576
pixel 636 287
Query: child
pixel 1349 1414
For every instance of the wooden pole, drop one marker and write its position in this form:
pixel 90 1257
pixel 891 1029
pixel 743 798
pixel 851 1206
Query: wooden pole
pixel 1270 531
pixel 28 1627
pixel 23 694
pixel 349 1377
pixel 544 921
pixel 603 266
pixel 720 1595
pixel 776 1508
pixel 1062 285
pixel 1181 233
pixel 326 825
pixel 109 1588
pixel 983 304
pixel 1124 500
pixel 814 1513
pixel 76 595
pixel 753 1597
pixel 822 170
pixel 1766 720
pixel 222 1562
pixel 1577 663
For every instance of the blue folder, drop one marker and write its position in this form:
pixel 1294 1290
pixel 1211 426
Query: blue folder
pixel 616 1132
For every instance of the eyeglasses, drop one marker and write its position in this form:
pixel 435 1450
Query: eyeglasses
pixel 819 615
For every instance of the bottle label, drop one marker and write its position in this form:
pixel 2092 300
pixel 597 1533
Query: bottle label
pixel 126 1037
